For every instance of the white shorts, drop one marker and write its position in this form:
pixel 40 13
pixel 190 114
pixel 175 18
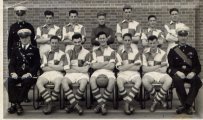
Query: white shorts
pixel 108 73
pixel 75 77
pixel 52 75
pixel 128 76
pixel 43 49
pixel 157 76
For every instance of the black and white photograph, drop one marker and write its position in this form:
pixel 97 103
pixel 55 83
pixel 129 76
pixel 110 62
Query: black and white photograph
pixel 101 59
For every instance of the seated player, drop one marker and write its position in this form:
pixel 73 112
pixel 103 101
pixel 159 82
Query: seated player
pixel 103 62
pixel 76 67
pixel 154 68
pixel 128 64
pixel 52 66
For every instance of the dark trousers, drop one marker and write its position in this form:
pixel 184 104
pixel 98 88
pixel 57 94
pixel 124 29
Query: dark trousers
pixel 187 99
pixel 17 94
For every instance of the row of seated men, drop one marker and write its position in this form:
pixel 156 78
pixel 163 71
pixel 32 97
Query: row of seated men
pixel 25 58
pixel 76 62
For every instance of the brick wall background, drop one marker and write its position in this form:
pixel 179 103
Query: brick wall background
pixel 191 13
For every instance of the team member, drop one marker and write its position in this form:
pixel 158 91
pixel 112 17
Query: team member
pixel 154 68
pixel 128 26
pixel 101 18
pixel 152 30
pixel 186 71
pixel 128 64
pixel 23 66
pixel 71 28
pixel 76 67
pixel 103 62
pixel 52 66
pixel 13 38
pixel 170 29
pixel 46 31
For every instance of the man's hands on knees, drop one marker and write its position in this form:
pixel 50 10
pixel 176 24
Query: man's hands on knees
pixel 180 74
pixel 27 75
pixel 190 75
pixel 14 76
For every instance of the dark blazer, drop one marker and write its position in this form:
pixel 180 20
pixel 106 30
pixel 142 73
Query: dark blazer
pixel 176 63
pixel 25 61
pixel 13 38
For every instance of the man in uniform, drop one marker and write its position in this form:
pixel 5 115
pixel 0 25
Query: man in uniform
pixel 13 38
pixel 45 32
pixel 52 66
pixel 152 30
pixel 184 67
pixel 154 69
pixel 23 66
pixel 101 18
pixel 128 26
pixel 128 64
pixel 71 28
pixel 78 63
pixel 103 62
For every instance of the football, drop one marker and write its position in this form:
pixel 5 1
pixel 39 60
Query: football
pixel 102 81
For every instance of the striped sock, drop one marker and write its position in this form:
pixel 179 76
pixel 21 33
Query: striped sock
pixel 134 91
pixel 79 94
pixel 55 95
pixel 152 92
pixel 96 93
pixel 160 95
pixel 46 96
pixel 125 96
pixel 70 96
pixel 106 95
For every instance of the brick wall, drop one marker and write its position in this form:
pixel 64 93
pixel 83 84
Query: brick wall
pixel 189 12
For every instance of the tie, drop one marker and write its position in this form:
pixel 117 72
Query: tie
pixel 24 47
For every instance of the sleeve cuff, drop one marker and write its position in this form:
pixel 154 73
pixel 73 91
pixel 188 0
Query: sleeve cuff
pixel 66 67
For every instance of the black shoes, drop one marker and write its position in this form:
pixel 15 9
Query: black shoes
pixel 19 109
pixel 103 109
pixel 97 109
pixel 78 109
pixel 153 107
pixel 12 109
pixel 48 109
pixel 182 109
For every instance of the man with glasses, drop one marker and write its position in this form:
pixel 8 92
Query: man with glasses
pixel 76 67
pixel 46 31
pixel 184 67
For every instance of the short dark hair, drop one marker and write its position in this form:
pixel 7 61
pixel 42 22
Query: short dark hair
pixel 101 14
pixel 101 33
pixel 127 7
pixel 173 9
pixel 76 36
pixel 152 37
pixel 55 37
pixel 127 34
pixel 73 11
pixel 48 12
pixel 151 16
